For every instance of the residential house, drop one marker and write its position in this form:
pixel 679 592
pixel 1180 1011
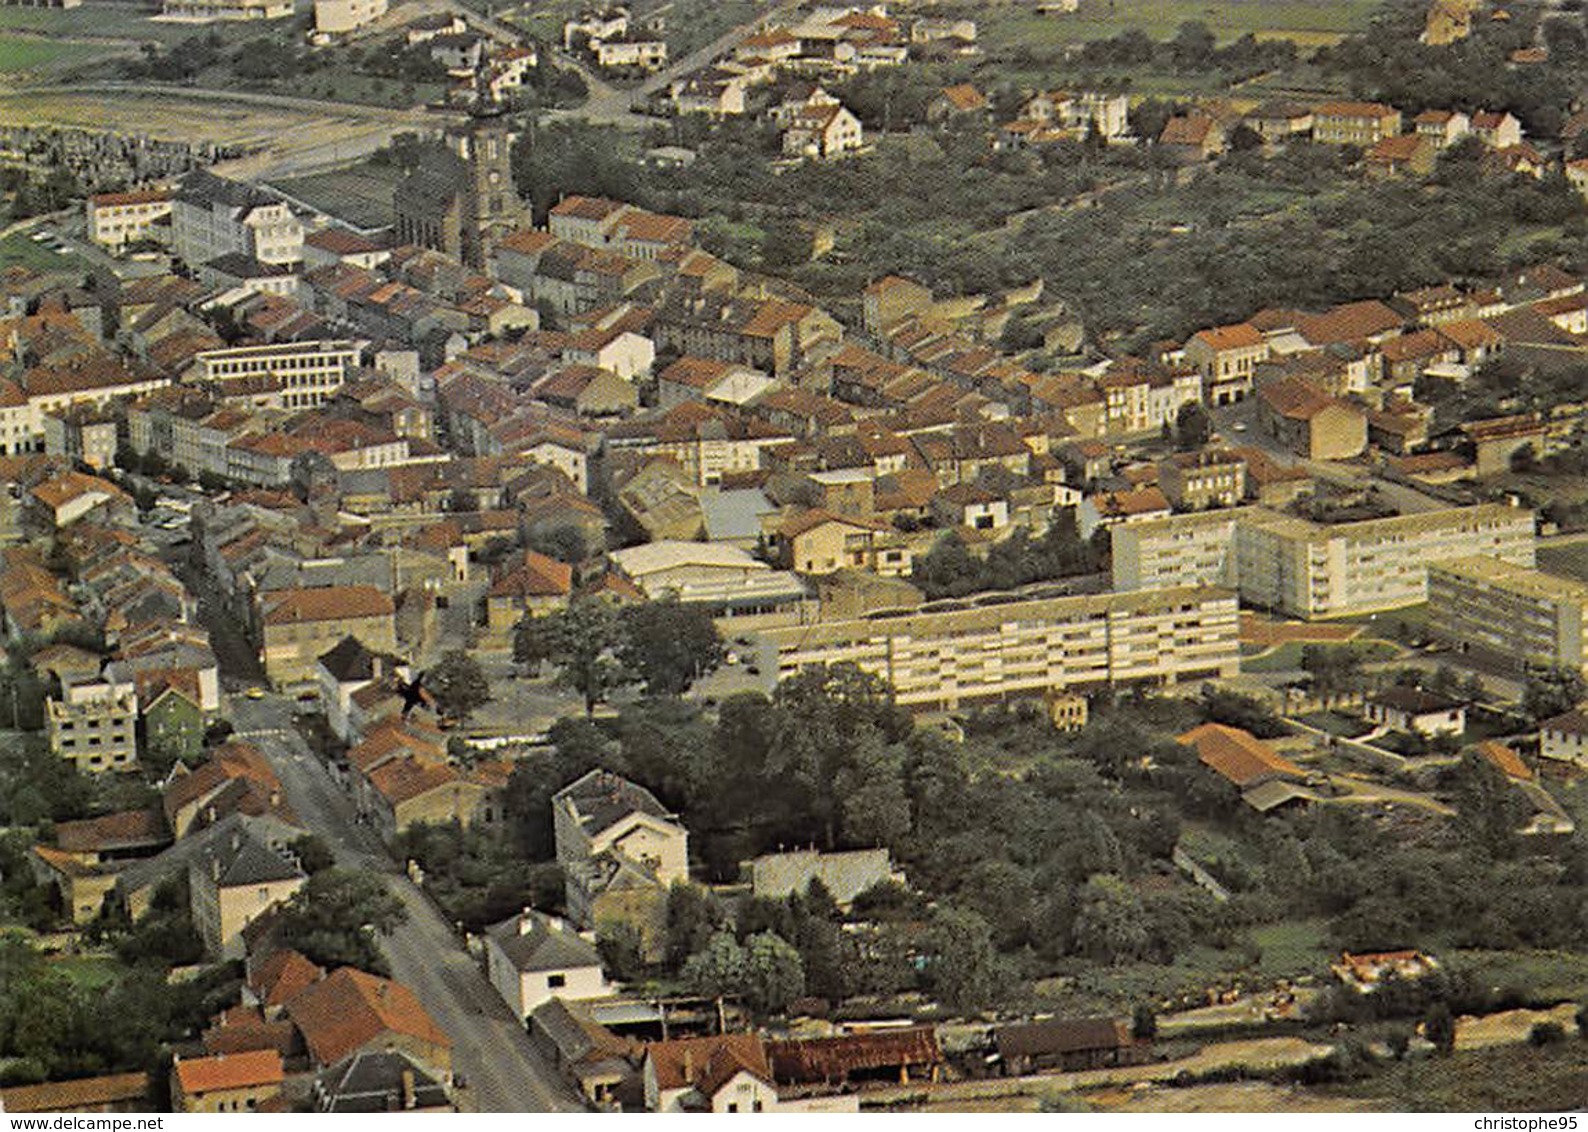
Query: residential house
pixel 723 1074
pixel 530 585
pixel 118 219
pixel 1408 709
pixel 1105 509
pixel 299 625
pixel 233 884
pixel 532 958
pixel 1196 481
pixel 958 103
pixel 1401 155
pixel 1310 422
pixel 621 851
pixel 822 133
pixel 821 542
pixel 1360 124
pixel 351 1011
pixel 1226 356
pixel 1442 127
pixel 1496 129
pixel 1190 138
pixel 238 1082
pixel 380 1081
pixel 1564 738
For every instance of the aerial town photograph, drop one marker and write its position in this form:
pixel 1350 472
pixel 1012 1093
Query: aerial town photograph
pixel 793 556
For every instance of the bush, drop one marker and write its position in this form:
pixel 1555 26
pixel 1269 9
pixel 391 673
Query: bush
pixel 1546 1034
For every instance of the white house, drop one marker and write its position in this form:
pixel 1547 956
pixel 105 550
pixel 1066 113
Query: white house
pixel 533 958
pixel 1565 738
pixel 725 1073
pixel 1409 709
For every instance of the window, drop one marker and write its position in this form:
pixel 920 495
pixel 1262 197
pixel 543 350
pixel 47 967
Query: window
pixel 557 981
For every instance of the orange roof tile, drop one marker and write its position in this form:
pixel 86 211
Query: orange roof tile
pixel 349 1009
pixel 198 1075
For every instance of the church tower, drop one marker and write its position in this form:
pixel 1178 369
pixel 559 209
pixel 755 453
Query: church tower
pixel 490 204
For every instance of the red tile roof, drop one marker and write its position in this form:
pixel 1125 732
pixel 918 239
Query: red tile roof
pixel 349 1009
pixel 198 1075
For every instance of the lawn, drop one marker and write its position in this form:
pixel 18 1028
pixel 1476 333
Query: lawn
pixel 361 195
pixel 89 972
pixel 1293 949
pixel 1285 658
pixel 17 250
pixel 1338 723
pixel 93 22
pixel 1546 977
pixel 25 53
pixel 1310 24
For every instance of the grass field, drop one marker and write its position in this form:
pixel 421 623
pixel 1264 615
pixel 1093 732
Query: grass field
pixel 361 195
pixel 1310 24
pixel 27 53
pixel 97 22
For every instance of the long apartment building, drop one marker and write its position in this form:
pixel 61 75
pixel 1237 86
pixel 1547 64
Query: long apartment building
pixel 1494 607
pixel 1315 570
pixel 1000 646
pixel 287 375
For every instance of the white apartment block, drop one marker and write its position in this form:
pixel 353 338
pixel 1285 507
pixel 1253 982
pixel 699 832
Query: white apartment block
pixel 939 658
pixel 212 216
pixel 1183 550
pixel 1312 570
pixel 1506 611
pixel 1308 570
pixel 118 219
pixel 203 11
pixel 308 373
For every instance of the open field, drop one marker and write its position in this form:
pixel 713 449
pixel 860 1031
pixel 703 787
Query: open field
pixel 1515 1078
pixel 90 23
pixel 1309 24
pixel 361 195
pixel 20 53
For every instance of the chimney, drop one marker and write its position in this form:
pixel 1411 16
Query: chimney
pixel 410 1097
pixel 215 869
pixel 689 1066
pixel 526 921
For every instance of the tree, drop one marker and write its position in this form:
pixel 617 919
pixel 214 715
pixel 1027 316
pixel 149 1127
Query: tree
pixel 1548 692
pixel 1110 923
pixel 458 684
pixel 1192 426
pixel 718 969
pixel 692 919
pixel 1335 669
pixel 1144 1022
pixel 874 809
pixel 622 950
pixel 583 641
pixel 313 854
pixel 773 973
pixel 334 918
pixel 962 967
pixel 1439 1027
pixel 669 645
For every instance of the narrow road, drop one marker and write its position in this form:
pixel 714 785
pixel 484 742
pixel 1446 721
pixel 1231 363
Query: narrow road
pixel 490 1050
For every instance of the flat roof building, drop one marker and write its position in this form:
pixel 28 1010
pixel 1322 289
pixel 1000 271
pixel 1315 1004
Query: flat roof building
pixel 993 647
pixel 1509 612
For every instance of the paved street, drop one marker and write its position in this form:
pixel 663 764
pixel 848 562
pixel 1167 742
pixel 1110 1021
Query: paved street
pixel 503 1072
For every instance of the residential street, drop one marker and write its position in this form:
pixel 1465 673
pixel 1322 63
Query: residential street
pixel 490 1051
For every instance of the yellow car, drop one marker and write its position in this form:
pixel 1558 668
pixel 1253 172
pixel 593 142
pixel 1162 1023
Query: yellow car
pixel 256 693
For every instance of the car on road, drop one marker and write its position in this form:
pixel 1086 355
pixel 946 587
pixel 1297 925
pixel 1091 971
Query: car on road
pixel 1239 426
pixel 255 693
